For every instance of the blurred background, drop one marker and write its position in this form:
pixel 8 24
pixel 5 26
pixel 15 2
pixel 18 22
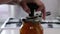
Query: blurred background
pixel 15 11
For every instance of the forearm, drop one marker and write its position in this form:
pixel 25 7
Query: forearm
pixel 4 1
pixel 9 2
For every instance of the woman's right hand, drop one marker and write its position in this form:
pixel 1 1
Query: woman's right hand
pixel 39 3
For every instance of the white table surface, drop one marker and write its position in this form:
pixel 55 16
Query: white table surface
pixel 46 31
pixel 15 30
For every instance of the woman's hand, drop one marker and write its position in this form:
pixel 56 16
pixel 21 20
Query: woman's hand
pixel 41 7
pixel 23 3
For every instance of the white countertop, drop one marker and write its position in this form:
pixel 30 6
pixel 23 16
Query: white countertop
pixel 15 30
pixel 46 31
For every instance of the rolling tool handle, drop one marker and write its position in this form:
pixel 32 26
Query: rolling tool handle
pixel 32 7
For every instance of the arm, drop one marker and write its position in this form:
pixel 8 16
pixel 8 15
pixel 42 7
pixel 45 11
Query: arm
pixel 9 1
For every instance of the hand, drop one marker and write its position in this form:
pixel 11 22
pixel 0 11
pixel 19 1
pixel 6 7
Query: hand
pixel 41 8
pixel 23 3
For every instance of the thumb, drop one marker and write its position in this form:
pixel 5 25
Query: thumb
pixel 43 13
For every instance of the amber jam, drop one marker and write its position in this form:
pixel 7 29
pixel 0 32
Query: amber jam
pixel 30 27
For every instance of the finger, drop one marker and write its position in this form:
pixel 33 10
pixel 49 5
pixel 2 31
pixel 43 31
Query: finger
pixel 25 7
pixel 27 10
pixel 41 5
pixel 39 9
pixel 43 13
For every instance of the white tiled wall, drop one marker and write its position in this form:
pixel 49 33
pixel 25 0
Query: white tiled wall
pixel 52 6
pixel 59 7
pixel 4 12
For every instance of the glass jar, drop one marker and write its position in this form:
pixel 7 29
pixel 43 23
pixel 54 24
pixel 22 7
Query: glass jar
pixel 31 27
